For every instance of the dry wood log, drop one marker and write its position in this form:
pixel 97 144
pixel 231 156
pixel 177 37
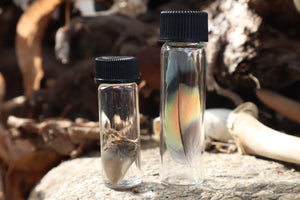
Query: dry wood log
pixel 22 164
pixel 29 148
pixel 129 8
pixel 123 27
pixel 297 5
pixel 243 40
pixel 285 106
pixel 253 137
pixel 70 132
pixel 29 34
pixel 2 90
pixel 149 66
pixel 253 37
pixel 11 105
pixel 70 92
pixel 23 4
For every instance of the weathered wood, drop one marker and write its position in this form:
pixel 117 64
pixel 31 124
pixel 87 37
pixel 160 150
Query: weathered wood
pixel 248 38
pixel 279 103
pixel 253 137
pixel 122 26
pixel 29 148
pixel 30 31
pixel 2 90
pixel 245 39
pixel 22 164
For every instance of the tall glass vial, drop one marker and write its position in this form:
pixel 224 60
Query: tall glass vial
pixel 119 121
pixel 183 66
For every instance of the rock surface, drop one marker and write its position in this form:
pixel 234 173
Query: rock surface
pixel 228 176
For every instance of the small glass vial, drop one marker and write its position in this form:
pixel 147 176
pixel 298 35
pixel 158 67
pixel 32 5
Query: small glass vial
pixel 183 67
pixel 119 121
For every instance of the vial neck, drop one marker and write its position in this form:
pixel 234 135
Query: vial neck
pixel 185 44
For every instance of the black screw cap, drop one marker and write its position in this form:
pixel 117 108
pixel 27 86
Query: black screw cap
pixel 183 26
pixel 116 69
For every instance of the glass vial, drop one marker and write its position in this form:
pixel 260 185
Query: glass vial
pixel 119 121
pixel 183 66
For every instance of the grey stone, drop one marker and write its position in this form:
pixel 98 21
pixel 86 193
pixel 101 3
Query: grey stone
pixel 228 176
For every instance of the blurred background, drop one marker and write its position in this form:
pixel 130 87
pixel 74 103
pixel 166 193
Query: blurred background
pixel 48 47
pixel 48 50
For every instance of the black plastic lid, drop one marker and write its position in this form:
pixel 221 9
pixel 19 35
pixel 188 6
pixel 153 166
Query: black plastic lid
pixel 183 26
pixel 117 69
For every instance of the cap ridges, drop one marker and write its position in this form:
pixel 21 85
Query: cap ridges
pixel 116 69
pixel 183 26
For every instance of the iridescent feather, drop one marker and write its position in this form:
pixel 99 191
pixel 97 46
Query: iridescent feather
pixel 182 108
